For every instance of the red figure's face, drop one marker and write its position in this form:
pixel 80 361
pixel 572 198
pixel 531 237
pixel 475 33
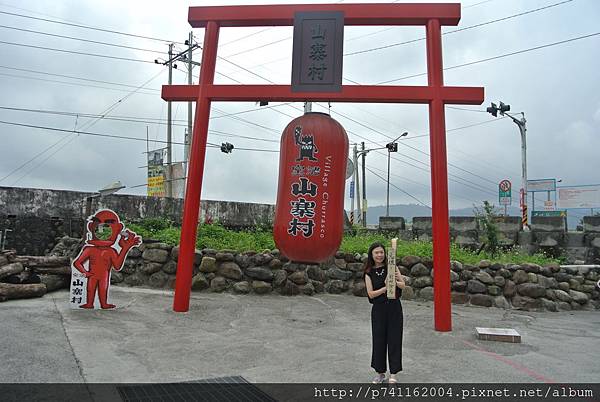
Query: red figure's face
pixel 107 219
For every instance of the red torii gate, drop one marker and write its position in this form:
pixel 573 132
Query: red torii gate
pixel 435 94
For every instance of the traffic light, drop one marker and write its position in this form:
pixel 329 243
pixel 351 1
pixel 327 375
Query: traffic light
pixel 493 110
pixel 226 147
pixel 392 147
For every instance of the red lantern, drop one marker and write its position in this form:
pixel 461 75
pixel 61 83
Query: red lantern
pixel 309 215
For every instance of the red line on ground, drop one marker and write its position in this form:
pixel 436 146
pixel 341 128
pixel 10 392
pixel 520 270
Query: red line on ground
pixel 511 363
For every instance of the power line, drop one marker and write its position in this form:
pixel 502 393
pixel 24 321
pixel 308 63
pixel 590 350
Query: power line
pixel 77 78
pixel 33 158
pixel 499 56
pixel 119 102
pixel 244 37
pixel 277 131
pixel 234 64
pixel 268 80
pixel 261 46
pixel 399 189
pixel 80 39
pixel 89 124
pixel 458 30
pixel 122 137
pixel 411 147
pixel 450 175
pixel 420 184
pixel 78 53
pixel 128 118
pixel 70 83
pixel 89 27
pixel 423 38
pixel 465 109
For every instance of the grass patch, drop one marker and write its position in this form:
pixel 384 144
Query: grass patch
pixel 218 237
pixel 209 236
pixel 361 242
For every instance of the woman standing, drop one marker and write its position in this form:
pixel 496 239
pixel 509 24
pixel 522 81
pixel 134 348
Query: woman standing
pixel 386 315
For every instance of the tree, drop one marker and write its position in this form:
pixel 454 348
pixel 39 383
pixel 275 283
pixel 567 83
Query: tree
pixel 487 217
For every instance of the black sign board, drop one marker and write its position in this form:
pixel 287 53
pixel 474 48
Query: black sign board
pixel 318 50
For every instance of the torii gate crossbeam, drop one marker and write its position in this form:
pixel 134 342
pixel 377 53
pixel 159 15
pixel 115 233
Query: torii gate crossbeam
pixel 435 94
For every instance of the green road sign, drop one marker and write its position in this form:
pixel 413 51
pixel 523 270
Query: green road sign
pixel 549 213
pixel 504 192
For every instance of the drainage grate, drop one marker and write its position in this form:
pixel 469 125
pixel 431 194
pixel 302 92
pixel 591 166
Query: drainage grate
pixel 234 388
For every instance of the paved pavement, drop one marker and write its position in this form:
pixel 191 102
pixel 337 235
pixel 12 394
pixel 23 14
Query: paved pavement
pixel 325 338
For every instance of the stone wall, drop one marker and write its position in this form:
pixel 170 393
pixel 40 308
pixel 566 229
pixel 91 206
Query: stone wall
pixel 524 286
pixel 33 235
pixel 35 218
pixel 547 234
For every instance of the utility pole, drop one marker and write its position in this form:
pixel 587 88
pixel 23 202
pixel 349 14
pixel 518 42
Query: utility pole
pixel 169 187
pixel 188 135
pixel 307 107
pixel 184 55
pixel 364 189
pixel 391 147
pixel 522 124
pixel 352 185
pixel 357 185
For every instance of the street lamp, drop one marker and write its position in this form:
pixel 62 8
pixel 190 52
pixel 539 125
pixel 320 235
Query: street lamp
pixel 391 147
pixel 522 124
pixel 107 190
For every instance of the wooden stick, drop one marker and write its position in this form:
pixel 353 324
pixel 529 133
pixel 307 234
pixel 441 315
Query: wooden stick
pixel 391 270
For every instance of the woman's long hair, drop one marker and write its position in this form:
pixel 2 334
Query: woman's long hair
pixel 370 261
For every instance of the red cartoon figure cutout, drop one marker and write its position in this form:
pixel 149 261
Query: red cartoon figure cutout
pixel 106 247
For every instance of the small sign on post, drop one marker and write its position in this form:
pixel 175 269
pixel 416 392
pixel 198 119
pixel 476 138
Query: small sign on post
pixel 318 50
pixel 505 192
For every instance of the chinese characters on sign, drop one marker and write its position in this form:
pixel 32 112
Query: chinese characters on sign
pixel 77 287
pixel 156 174
pixel 309 214
pixel 317 54
pixel 303 210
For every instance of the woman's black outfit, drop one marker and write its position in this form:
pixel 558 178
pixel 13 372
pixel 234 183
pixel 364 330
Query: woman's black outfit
pixel 386 325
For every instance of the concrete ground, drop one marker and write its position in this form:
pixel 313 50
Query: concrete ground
pixel 325 338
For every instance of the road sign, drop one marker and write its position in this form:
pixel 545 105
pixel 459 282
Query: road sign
pixel 504 192
pixel 579 197
pixel 541 185
pixel 549 205
pixel 349 169
pixel 549 213
pixel 352 189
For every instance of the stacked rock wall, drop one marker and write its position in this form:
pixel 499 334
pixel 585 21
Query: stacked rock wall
pixel 524 286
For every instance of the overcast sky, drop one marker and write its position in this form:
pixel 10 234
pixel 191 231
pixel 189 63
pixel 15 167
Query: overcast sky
pixel 556 86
